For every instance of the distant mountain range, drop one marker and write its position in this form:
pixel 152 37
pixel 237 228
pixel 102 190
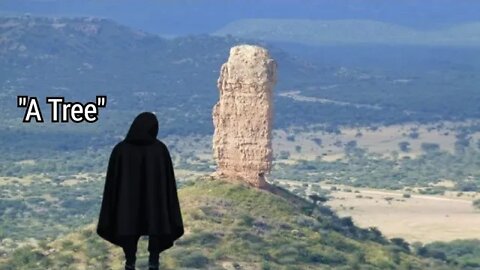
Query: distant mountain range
pixel 327 32
pixel 79 58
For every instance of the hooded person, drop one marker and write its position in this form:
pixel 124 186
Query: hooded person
pixel 140 193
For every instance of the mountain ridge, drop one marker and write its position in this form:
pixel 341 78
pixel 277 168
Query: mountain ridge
pixel 354 31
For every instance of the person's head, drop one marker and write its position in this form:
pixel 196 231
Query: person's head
pixel 144 129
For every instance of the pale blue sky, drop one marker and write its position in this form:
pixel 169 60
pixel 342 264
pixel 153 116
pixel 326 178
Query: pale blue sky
pixel 180 17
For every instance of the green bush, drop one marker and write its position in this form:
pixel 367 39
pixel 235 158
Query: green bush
pixel 194 259
pixel 204 239
pixel 26 257
pixel 476 203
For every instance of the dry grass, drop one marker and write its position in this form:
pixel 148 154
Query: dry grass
pixel 424 218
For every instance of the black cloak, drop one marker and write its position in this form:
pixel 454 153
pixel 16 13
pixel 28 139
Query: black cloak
pixel 140 193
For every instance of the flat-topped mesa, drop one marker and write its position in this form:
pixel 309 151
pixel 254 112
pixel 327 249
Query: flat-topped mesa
pixel 242 141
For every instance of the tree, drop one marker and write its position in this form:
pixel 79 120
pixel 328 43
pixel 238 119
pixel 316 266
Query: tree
pixel 430 147
pixel 400 242
pixel 317 141
pixel 414 134
pixel 467 186
pixel 350 146
pixel 404 146
pixel 476 203
pixel 316 198
pixel 284 155
pixel 298 148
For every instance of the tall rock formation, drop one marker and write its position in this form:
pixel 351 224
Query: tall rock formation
pixel 242 117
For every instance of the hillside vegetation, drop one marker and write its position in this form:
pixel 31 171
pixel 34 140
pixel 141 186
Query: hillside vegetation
pixel 234 226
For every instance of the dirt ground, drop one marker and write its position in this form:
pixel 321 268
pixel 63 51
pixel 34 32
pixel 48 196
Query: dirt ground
pixel 419 218
pixel 424 218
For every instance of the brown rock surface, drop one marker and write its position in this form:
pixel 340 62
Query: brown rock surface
pixel 243 116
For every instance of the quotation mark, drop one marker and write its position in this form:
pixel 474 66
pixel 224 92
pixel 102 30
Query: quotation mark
pixel 22 101
pixel 101 101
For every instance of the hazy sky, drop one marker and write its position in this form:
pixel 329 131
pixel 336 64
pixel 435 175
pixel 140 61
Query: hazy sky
pixel 180 17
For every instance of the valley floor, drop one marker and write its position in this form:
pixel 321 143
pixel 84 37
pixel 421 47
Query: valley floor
pixel 424 218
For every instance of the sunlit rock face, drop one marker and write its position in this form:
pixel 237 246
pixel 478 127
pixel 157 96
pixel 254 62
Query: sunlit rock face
pixel 242 117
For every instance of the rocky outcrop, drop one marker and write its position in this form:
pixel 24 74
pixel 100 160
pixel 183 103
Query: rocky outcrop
pixel 243 116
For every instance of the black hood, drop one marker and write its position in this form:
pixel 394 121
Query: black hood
pixel 144 129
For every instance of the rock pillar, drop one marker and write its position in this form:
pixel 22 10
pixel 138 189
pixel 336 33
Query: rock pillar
pixel 242 117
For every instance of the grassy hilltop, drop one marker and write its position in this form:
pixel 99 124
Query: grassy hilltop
pixel 233 226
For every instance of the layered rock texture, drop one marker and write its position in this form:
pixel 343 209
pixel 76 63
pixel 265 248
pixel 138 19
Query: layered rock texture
pixel 243 116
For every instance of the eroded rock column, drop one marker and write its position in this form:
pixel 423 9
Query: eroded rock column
pixel 243 116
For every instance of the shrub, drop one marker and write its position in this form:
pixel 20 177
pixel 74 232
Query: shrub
pixel 466 186
pixel 67 244
pixel 400 242
pixel 284 155
pixel 25 256
pixel 414 134
pixel 404 146
pixel 65 260
pixel 201 239
pixel 430 147
pixel 476 203
pixel 195 259
pixel 246 220
pixel 317 141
